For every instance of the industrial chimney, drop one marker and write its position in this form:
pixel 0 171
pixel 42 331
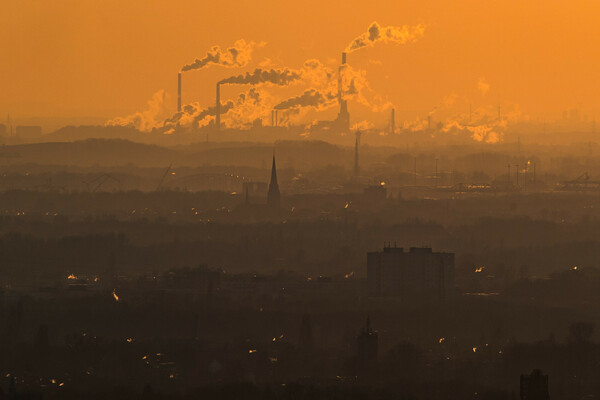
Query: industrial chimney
pixel 393 122
pixel 343 119
pixel 179 92
pixel 218 108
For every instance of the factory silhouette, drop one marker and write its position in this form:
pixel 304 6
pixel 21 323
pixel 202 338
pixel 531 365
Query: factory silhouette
pixel 311 231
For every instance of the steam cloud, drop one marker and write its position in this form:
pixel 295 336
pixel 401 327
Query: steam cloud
pixel 280 77
pixel 250 103
pixel 324 91
pixel 388 34
pixel 237 56
pixel 310 98
pixel 145 120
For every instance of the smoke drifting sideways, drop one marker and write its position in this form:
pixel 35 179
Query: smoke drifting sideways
pixel 192 115
pixel 237 56
pixel 247 107
pixel 148 119
pixel 387 34
pixel 484 125
pixel 279 77
pixel 354 83
pixel 323 92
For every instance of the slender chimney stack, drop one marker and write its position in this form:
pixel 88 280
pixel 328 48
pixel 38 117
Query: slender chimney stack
pixel 340 78
pixel 218 108
pixel 343 118
pixel 393 122
pixel 179 92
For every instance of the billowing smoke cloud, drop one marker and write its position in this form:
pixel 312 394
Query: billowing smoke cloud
pixel 237 56
pixel 485 125
pixel 324 91
pixel 387 34
pixel 248 106
pixel 310 98
pixel 148 119
pixel 280 77
pixel 251 106
pixel 485 132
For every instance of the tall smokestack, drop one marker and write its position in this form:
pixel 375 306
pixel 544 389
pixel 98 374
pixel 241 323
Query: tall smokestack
pixel 179 92
pixel 340 78
pixel 218 108
pixel 393 122
pixel 343 118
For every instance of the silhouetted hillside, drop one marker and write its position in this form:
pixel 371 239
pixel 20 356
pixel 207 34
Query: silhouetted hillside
pixel 75 133
pixel 90 152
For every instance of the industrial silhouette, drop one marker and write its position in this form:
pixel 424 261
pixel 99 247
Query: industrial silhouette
pixel 273 196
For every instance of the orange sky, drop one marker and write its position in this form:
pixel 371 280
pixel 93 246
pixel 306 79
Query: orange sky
pixel 102 58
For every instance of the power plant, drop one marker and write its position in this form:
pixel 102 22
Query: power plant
pixel 342 123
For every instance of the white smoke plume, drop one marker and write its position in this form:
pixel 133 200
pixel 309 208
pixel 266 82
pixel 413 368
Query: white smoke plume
pixel 253 105
pixel 280 77
pixel 485 125
pixel 237 56
pixel 247 106
pixel 323 91
pixel 148 119
pixel 310 98
pixel 387 34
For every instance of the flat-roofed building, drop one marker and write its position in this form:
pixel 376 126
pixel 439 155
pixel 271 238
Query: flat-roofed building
pixel 417 276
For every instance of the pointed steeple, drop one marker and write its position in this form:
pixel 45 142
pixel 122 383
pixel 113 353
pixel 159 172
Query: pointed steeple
pixel 273 196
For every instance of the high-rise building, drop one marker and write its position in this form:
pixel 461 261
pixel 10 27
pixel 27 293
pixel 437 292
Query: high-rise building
pixel 416 277
pixel 273 196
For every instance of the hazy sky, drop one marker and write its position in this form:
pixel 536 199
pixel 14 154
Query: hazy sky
pixel 80 58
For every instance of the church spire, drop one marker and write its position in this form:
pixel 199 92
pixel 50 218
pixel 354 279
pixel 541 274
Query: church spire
pixel 273 196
